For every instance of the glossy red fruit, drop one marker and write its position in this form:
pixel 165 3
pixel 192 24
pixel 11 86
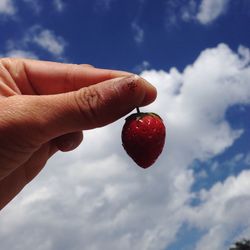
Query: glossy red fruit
pixel 143 137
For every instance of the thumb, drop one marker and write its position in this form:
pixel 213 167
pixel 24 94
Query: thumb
pixel 51 116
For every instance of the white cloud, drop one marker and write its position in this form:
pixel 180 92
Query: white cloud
pixel 59 5
pixel 145 65
pixel 21 54
pixel 138 32
pixel 199 125
pixel 10 7
pixel 44 39
pixel 7 7
pixel 47 40
pixel 210 10
pixel 17 49
pixel 189 10
pixel 224 212
pixel 97 198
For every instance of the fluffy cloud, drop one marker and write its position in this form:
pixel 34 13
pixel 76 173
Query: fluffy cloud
pixel 210 10
pixel 44 39
pixel 47 40
pixel 20 54
pixel 7 7
pixel 198 124
pixel 97 198
pixel 224 212
pixel 189 10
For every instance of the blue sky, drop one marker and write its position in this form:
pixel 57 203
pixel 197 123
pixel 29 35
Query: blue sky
pixel 196 53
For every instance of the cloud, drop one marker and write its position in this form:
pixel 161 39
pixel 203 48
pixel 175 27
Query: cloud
pixel 138 32
pixel 47 40
pixel 44 39
pixel 210 10
pixel 10 7
pixel 145 65
pixel 18 49
pixel 189 11
pixel 233 164
pixel 7 7
pixel 21 54
pixel 224 212
pixel 97 198
pixel 59 5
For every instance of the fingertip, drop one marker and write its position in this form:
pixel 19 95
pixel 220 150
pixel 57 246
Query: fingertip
pixel 146 92
pixel 149 90
pixel 68 142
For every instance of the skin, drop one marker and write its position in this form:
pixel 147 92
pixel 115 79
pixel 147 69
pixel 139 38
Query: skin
pixel 45 106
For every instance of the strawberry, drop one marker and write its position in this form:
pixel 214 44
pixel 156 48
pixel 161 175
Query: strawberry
pixel 143 137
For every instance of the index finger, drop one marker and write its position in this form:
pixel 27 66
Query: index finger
pixel 44 77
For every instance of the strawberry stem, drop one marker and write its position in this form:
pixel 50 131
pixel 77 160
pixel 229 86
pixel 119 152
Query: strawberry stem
pixel 138 110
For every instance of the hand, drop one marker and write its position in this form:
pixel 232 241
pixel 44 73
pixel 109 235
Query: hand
pixel 44 106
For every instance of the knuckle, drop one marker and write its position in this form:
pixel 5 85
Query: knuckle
pixel 12 66
pixel 6 61
pixel 70 78
pixel 13 75
pixel 89 101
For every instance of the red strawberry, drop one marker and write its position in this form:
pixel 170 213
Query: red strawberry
pixel 143 137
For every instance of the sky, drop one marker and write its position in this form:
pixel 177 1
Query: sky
pixel 196 196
